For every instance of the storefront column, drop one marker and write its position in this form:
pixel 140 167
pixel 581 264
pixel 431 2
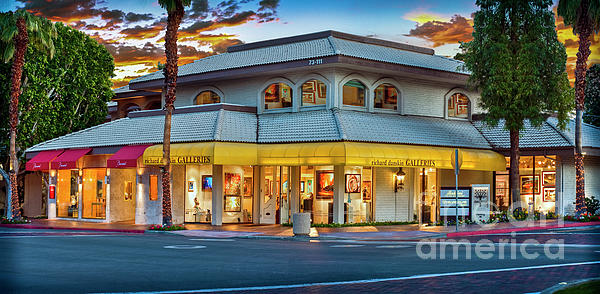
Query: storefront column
pixel 107 197
pixel 217 195
pixel 559 207
pixel 295 189
pixel 256 175
pixel 338 194
pixel 51 207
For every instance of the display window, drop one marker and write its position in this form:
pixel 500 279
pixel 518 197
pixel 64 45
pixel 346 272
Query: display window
pixel 314 92
pixel 94 193
pixel 67 193
pixel 358 194
pixel 237 201
pixel 386 97
pixel 207 97
pixel 316 193
pixel 354 93
pixel 428 193
pixel 198 200
pixel 277 95
pixel 459 106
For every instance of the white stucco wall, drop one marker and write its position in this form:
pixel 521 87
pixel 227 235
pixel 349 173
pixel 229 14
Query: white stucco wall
pixel 566 181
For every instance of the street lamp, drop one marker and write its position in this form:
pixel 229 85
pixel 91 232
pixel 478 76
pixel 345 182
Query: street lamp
pixel 399 180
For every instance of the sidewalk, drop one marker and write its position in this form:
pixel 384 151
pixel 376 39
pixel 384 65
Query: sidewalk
pixel 396 232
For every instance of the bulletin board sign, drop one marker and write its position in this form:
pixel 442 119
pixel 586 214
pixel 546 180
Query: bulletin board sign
pixel 448 201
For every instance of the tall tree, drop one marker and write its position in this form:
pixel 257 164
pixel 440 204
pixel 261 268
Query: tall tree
pixel 518 65
pixel 592 96
pixel 584 17
pixel 19 30
pixel 175 10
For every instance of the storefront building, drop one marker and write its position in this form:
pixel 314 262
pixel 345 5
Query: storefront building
pixel 347 128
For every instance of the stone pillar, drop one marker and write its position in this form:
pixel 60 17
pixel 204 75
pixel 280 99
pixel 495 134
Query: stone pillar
pixel 217 196
pixel 51 205
pixel 257 196
pixel 294 189
pixel 338 194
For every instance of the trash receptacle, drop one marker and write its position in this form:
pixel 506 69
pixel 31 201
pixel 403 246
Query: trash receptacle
pixel 301 224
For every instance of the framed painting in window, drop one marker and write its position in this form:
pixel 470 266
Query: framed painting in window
pixel 233 183
pixel 324 184
pixel 272 93
pixel 353 183
pixel 549 194
pixel 302 186
pixel 247 186
pixel 233 203
pixel 528 186
pixel 207 183
pixel 366 191
pixel 322 90
pixel 308 97
pixel 549 178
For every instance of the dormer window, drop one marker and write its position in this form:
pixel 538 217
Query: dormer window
pixel 314 92
pixel 459 106
pixel 354 93
pixel 207 97
pixel 386 97
pixel 278 95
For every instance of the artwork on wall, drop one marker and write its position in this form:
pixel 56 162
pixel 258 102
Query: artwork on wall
pixel 549 194
pixel 324 184
pixel 353 183
pixel 233 203
pixel 128 190
pixel 302 186
pixel 247 186
pixel 309 186
pixel 191 186
pixel 233 183
pixel 272 93
pixel 285 93
pixel 322 90
pixel 207 183
pixel 366 191
pixel 528 186
pixel 391 96
pixel 308 97
pixel 549 178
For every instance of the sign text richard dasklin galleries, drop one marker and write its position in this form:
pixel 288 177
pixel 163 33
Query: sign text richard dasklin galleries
pixel 180 160
pixel 403 162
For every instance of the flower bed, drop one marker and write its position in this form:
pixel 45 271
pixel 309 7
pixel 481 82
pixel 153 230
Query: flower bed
pixel 585 217
pixel 166 228
pixel 4 220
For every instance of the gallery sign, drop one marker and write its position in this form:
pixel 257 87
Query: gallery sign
pixel 200 159
pixel 404 162
pixel 481 202
pixel 448 204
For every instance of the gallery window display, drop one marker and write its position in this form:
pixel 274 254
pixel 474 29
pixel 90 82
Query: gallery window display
pixel 386 97
pixel 278 95
pixel 94 193
pixel 237 193
pixel 207 97
pixel 314 92
pixel 354 93
pixel 358 193
pixel 198 200
pixel 67 193
pixel 317 198
pixel 428 193
pixel 459 106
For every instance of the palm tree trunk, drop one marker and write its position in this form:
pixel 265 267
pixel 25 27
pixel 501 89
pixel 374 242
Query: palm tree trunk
pixel 21 40
pixel 515 157
pixel 583 53
pixel 170 73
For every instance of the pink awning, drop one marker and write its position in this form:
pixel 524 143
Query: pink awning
pixel 42 160
pixel 68 159
pixel 126 157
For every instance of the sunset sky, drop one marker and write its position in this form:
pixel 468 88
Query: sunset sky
pixel 133 30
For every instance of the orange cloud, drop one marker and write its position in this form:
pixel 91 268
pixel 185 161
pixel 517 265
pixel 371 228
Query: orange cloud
pixel 441 33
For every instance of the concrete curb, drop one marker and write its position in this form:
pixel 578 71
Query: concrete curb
pixel 521 229
pixel 564 285
pixel 35 227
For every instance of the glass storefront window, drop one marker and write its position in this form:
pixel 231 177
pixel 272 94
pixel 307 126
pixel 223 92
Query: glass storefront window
pixel 458 106
pixel 321 180
pixel 67 194
pixel 358 194
pixel 237 203
pixel 314 92
pixel 277 95
pixel 354 93
pixel 428 195
pixel 94 196
pixel 386 97
pixel 198 201
pixel 207 97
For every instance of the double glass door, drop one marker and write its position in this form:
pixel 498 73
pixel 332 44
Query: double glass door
pixel 275 195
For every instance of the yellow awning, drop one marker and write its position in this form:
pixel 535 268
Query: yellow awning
pixel 373 154
pixel 225 153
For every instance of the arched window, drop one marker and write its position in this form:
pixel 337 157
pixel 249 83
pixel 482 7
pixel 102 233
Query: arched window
pixel 459 106
pixel 207 97
pixel 354 93
pixel 314 92
pixel 386 97
pixel 278 95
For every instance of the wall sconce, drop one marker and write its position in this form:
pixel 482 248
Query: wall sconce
pixel 399 180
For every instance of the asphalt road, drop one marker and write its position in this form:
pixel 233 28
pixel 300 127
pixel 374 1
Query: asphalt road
pixel 36 261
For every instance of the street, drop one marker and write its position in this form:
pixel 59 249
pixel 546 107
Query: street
pixel 54 261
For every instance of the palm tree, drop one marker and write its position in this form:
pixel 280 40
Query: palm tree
pixel 584 17
pixel 19 30
pixel 175 10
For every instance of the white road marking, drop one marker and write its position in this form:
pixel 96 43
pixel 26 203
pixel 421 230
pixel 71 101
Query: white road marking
pixel 346 246
pixel 54 236
pixel 425 276
pixel 184 247
pixel 214 240
pixel 462 242
pixel 393 246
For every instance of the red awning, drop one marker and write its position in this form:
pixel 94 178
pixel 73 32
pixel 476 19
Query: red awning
pixel 42 160
pixel 68 160
pixel 126 156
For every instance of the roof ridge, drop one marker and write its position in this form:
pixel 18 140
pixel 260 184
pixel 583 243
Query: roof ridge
pixel 218 125
pixel 338 123
pixel 336 50
pixel 555 128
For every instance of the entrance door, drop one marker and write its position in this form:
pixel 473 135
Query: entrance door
pixel 428 194
pixel 275 206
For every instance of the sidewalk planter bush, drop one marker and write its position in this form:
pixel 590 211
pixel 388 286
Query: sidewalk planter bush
pixel 166 228
pixel 4 220
pixel 592 204
pixel 357 224
pixel 586 217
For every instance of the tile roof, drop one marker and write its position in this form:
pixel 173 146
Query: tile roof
pixel 305 126
pixel 123 89
pixel 220 125
pixel 326 46
pixel 591 133
pixel 546 136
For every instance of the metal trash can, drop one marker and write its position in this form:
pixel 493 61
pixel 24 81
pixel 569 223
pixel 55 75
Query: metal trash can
pixel 301 224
